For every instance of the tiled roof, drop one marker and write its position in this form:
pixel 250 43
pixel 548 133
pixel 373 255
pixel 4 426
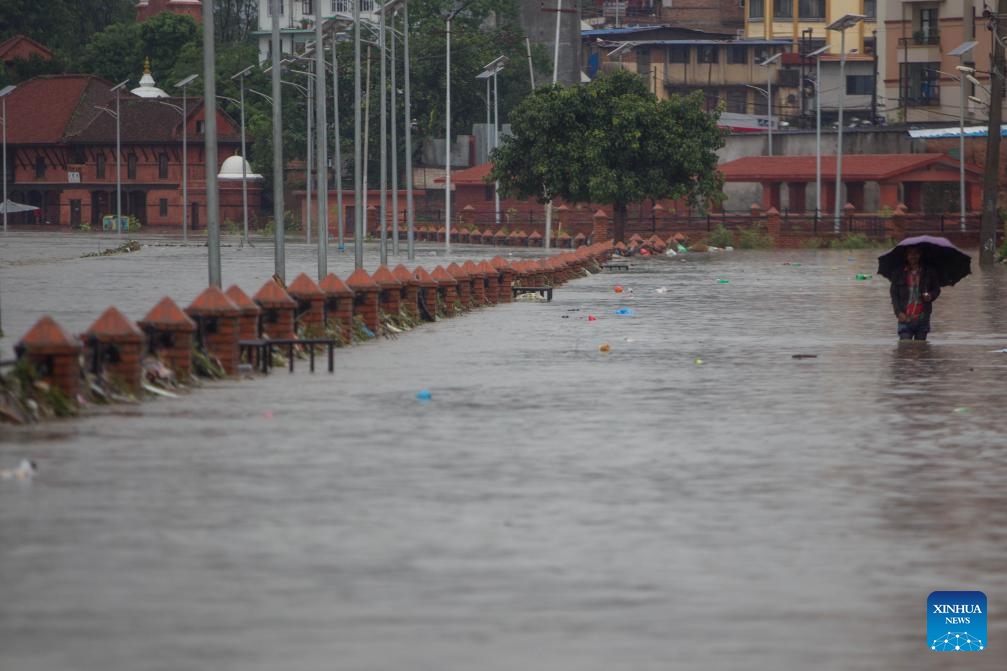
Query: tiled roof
pixel 333 286
pixel 272 295
pixel 212 301
pixel 304 287
pixel 474 175
pixel 385 279
pixel 113 324
pixel 166 315
pixel 361 280
pixel 856 167
pixel 46 333
pixel 41 110
pixel 424 277
pixel 242 300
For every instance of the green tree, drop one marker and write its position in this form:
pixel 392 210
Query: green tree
pixel 611 142
pixel 115 53
pixel 163 37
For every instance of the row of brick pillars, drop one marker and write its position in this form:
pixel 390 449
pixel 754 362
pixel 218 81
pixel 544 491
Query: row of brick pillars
pixel 217 320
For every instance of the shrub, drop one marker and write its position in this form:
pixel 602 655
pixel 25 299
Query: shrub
pixel 755 237
pixel 853 241
pixel 721 237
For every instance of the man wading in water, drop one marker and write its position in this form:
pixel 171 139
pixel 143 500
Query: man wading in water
pixel 913 292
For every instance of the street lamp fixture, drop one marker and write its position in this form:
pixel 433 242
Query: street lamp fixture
pixel 840 25
pixel 4 92
pixel 960 51
pixel 769 93
pixel 490 71
pixel 185 154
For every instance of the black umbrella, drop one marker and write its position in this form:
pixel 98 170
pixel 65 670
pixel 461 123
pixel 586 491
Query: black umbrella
pixel 950 263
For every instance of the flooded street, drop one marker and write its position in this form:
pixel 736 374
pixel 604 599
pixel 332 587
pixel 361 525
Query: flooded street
pixel 695 498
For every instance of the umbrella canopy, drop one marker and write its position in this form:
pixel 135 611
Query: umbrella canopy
pixel 951 263
pixel 10 206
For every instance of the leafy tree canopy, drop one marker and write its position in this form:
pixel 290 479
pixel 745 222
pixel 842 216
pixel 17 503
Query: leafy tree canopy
pixel 610 141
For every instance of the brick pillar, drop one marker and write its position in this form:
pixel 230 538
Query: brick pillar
pixel 579 240
pixel 492 282
pixel 365 298
pixel 409 294
pixel 478 278
pixel 216 318
pixel 170 336
pixel 338 306
pixel 54 354
pixel 447 290
pixel 889 195
pixel 517 238
pixel 113 347
pixel 427 302
pixel 248 319
pixel 896 226
pixel 773 223
pixel 505 274
pixel 309 316
pixel 771 195
pixel 390 297
pixel 278 308
pixel 534 239
pixel 464 284
pixel 600 229
pixel 797 196
pixel 500 238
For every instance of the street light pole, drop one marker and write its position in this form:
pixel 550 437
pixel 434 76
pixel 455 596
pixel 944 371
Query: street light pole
pixel 490 72
pixel 383 142
pixel 841 24
pixel 769 94
pixel 359 198
pixel 3 97
pixel 817 55
pixel 244 157
pixel 408 129
pixel 395 141
pixel 960 51
pixel 279 260
pixel 118 161
pixel 185 155
pixel 447 140
pixel 337 173
pixel 321 148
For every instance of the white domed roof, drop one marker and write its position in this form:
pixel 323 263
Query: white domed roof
pixel 231 169
pixel 147 89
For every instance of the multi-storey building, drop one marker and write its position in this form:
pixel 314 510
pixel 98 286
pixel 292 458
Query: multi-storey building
pixel 297 21
pixel 922 82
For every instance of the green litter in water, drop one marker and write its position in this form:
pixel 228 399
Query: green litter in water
pixel 722 281
pixel 962 411
pixel 861 276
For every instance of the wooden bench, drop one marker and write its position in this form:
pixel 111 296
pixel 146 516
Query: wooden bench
pixel 545 292
pixel 264 350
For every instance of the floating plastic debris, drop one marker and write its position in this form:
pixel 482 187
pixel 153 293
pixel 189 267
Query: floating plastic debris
pixel 424 395
pixel 625 312
pixel 617 289
pixel 661 290
pixel 604 347
pixel 367 332
pixel 25 470
pixel 268 414
pixel 863 276
pixel 592 318
pixel 803 356
pixel 698 361
pixel 962 410
pixel 680 249
pixel 721 280
pixel 670 252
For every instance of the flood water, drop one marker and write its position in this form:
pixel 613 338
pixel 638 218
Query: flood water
pixel 695 498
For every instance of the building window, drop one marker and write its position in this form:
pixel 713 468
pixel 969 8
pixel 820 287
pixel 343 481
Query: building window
pixel 162 166
pixel 811 9
pixel 678 53
pixel 708 53
pixel 858 85
pixel 200 126
pixel 278 2
pixel 871 9
pixel 306 7
pixel 756 9
pixel 783 10
pixel 920 84
pixel 99 166
pixel 162 207
pixel 737 54
pixel 39 167
pixel 131 166
pixel 737 101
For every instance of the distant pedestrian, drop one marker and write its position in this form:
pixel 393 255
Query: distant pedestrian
pixel 913 292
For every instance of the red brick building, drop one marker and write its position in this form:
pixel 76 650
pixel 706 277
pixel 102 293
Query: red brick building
pixel 61 142
pixel 148 8
pixel 21 48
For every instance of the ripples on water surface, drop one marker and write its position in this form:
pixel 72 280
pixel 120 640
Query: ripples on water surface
pixel 552 507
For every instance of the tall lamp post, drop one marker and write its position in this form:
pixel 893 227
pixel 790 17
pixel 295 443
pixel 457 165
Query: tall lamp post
pixel 185 154
pixel 244 157
pixel 960 51
pixel 769 93
pixel 840 25
pixel 4 92
pixel 118 161
pixel 816 54
pixel 489 72
pixel 408 129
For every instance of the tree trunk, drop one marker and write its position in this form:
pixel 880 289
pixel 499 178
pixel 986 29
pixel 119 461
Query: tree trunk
pixel 620 214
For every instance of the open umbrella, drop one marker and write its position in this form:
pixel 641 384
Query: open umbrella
pixel 950 263
pixel 11 207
